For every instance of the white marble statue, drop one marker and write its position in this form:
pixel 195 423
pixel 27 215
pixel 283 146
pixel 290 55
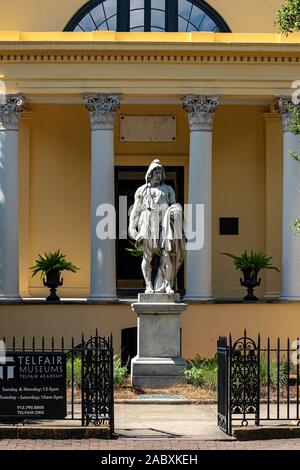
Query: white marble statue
pixel 156 225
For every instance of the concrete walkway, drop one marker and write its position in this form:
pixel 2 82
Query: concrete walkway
pixel 168 421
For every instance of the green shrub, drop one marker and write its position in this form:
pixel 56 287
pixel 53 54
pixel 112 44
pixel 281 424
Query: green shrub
pixel 203 362
pixel 202 372
pixel 77 372
pixel 120 372
pixel 289 17
pixel 194 376
pixel 210 378
pixel 283 371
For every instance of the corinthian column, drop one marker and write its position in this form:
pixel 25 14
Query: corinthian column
pixel 102 109
pixel 10 110
pixel 200 110
pixel 291 206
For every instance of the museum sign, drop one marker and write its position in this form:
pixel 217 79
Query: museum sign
pixel 33 385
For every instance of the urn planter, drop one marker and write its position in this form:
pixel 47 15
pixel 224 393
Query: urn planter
pixel 250 264
pixel 250 281
pixel 50 266
pixel 53 281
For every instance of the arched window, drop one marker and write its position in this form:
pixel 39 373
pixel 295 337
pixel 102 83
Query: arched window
pixel 147 15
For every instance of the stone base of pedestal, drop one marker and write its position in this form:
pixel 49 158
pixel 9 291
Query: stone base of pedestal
pixel 158 363
pixel 157 372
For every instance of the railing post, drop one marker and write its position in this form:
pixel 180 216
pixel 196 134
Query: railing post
pixel 112 406
pixel 297 381
pixel 72 377
pixel 258 383
pixel 229 374
pixel 222 349
pixel 82 382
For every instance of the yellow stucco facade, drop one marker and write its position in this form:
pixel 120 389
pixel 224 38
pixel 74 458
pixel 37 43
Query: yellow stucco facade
pixel 248 69
pixel 40 15
pixel 201 324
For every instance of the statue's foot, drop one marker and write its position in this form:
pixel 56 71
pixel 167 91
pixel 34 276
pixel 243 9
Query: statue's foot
pixel 169 290
pixel 149 290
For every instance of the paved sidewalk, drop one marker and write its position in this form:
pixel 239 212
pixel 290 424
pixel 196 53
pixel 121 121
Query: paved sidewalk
pixel 168 421
pixel 158 427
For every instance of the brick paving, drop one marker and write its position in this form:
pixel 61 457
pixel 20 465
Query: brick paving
pixel 147 444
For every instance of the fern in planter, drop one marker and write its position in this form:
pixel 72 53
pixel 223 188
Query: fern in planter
pixel 250 265
pixel 55 261
pixel 134 251
pixel 255 261
pixel 51 265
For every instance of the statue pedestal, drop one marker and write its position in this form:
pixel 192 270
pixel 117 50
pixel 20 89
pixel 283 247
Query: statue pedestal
pixel 158 363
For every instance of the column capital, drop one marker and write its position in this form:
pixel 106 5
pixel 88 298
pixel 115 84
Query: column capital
pixel 11 107
pixel 285 107
pixel 201 110
pixel 102 108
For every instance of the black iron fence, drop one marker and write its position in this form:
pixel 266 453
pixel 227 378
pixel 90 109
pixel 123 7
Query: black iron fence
pixel 256 384
pixel 49 379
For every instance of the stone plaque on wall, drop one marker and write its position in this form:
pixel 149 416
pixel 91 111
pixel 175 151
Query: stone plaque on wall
pixel 147 128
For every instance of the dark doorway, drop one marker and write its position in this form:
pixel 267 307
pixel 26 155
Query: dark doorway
pixel 129 275
pixel 128 346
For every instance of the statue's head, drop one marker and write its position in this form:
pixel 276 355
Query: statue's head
pixel 155 173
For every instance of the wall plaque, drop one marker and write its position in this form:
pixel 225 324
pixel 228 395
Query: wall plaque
pixel 33 385
pixel 229 225
pixel 148 128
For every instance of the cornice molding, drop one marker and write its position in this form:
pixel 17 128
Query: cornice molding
pixel 142 58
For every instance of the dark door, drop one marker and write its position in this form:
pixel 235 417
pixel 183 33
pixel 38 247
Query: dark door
pixel 128 346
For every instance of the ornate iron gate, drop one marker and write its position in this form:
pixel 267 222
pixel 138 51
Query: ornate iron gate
pixel 244 380
pixel 238 382
pixel 97 383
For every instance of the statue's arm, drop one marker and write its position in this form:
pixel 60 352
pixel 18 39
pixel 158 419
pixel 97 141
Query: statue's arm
pixel 134 216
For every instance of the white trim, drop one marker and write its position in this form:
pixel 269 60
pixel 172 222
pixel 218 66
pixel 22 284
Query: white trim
pixel 92 299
